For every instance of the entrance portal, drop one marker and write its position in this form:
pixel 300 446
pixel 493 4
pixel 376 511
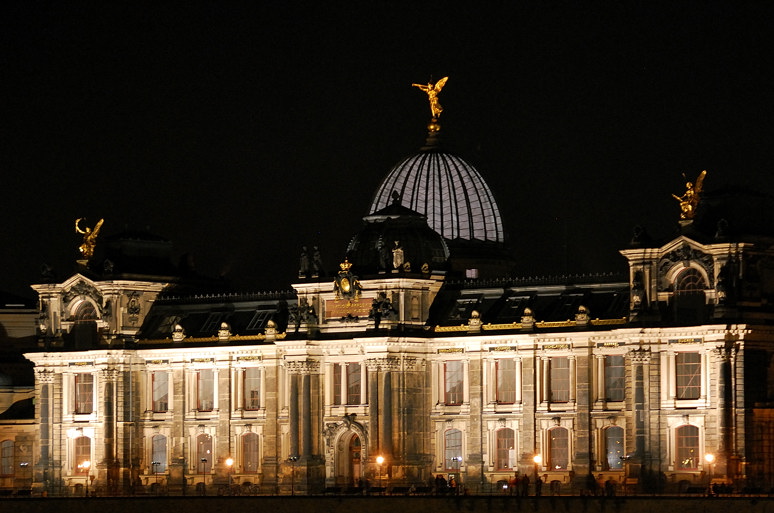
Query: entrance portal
pixel 348 460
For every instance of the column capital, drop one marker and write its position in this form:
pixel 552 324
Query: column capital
pixel 302 366
pixel 640 355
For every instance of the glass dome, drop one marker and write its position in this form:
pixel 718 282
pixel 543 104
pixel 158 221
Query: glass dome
pixel 448 191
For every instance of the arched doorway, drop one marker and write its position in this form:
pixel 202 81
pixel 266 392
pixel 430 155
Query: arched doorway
pixel 348 460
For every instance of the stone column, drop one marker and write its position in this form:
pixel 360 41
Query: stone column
pixel 640 359
pixel 293 415
pixel 107 471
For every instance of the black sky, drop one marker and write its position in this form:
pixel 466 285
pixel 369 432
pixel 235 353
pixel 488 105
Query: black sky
pixel 243 133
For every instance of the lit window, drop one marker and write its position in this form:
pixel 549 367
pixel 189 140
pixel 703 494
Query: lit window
pixel 688 375
pixel 615 381
pixel 614 447
pixel 84 393
pixel 506 455
pixel 560 379
pixel 250 453
pixel 160 391
pixel 203 453
pixel 687 438
pixel 252 388
pixel 506 381
pixel 452 449
pixel 159 454
pixel 346 383
pixel 558 448
pixel 82 454
pixel 453 382
pixel 205 391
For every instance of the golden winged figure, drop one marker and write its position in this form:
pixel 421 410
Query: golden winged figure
pixel 432 91
pixel 690 199
pixel 89 237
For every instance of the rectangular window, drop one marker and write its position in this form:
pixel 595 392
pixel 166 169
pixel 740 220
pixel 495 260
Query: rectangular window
pixel 252 388
pixel 6 458
pixel 337 384
pixel 506 381
pixel 559 447
pixel 159 454
pixel 346 376
pixel 250 453
pixel 688 375
pixel 615 382
pixel 453 450
pixel 212 323
pixel 84 393
pixel 353 383
pixel 505 449
pixel 205 390
pixel 82 454
pixel 560 379
pixel 453 382
pixel 160 392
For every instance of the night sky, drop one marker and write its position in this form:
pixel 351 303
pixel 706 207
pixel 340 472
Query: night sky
pixel 243 133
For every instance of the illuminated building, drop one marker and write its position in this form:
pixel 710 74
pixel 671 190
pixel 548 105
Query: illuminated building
pixel 423 350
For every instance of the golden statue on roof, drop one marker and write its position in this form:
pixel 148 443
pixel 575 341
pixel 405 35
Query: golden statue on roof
pixel 89 238
pixel 432 91
pixel 690 199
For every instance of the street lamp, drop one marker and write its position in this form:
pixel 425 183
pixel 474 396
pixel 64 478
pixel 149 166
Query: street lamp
pixel 85 466
pixel 230 465
pixel 379 461
pixel 710 458
pixel 293 459
pixel 155 467
pixel 538 459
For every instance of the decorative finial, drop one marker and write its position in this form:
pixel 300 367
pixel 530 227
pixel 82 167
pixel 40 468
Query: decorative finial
pixel 345 265
pixel 690 199
pixel 89 238
pixel 432 91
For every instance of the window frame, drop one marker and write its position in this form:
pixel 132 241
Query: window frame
pixel 504 447
pixel 505 381
pixel 83 393
pixel 453 382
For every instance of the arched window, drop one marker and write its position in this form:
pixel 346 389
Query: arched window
pixel 82 454
pixel 559 448
pixel 85 327
pixel 203 454
pixel 250 453
pixel 6 458
pixel 506 453
pixel 159 454
pixel 452 449
pixel 687 447
pixel 614 447
pixel 690 303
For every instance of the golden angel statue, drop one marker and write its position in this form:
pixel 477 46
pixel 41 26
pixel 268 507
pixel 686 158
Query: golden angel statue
pixel 89 238
pixel 432 91
pixel 690 199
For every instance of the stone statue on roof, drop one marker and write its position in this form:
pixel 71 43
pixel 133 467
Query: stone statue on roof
pixel 432 91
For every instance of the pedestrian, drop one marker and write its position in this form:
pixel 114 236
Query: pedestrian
pixel 525 486
pixel 538 486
